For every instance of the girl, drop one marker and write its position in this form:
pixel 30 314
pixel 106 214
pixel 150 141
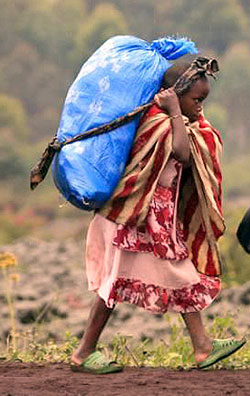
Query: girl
pixel 154 243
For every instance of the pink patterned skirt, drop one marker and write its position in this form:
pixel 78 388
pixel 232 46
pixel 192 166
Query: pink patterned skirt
pixel 147 267
pixel 141 278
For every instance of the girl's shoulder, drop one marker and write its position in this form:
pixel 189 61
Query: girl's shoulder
pixel 151 112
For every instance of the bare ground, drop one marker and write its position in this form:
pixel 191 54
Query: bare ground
pixel 27 379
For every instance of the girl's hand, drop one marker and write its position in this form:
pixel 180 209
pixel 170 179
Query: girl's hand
pixel 168 101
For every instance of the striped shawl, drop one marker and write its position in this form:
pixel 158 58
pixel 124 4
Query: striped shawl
pixel 200 199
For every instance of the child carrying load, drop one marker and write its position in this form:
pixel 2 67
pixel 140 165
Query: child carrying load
pixel 153 244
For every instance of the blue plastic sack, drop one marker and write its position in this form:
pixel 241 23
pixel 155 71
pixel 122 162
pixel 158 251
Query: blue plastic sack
pixel 124 73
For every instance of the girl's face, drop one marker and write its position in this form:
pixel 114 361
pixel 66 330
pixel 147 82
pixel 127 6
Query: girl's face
pixel 191 101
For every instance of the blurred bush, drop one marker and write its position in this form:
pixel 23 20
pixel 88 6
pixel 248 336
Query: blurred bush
pixel 236 262
pixel 42 47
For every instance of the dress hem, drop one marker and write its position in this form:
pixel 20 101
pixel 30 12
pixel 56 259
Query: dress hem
pixel 156 299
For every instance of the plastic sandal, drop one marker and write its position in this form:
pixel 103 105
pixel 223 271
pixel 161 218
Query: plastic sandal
pixel 221 350
pixel 96 363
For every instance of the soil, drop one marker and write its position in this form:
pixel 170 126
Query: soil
pixel 52 276
pixel 53 292
pixel 27 379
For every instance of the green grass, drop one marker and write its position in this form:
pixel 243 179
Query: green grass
pixel 174 352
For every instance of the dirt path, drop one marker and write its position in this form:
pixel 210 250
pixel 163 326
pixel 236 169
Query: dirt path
pixel 22 379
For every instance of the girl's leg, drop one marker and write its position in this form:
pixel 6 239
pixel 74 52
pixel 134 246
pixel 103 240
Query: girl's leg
pixel 202 343
pixel 97 320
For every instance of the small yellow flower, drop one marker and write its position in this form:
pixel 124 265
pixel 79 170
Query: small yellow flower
pixel 8 260
pixel 15 277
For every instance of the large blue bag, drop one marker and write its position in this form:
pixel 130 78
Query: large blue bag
pixel 124 73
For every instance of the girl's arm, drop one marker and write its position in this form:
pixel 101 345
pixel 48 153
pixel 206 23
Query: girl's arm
pixel 169 102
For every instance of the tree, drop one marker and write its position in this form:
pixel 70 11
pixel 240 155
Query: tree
pixel 13 118
pixel 14 132
pixel 104 22
pixel 39 84
pixel 50 26
pixel 11 163
pixel 217 115
pixel 246 5
pixel 143 25
pixel 214 24
pixel 233 89
pixel 8 26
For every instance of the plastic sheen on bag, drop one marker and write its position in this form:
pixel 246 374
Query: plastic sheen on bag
pixel 124 73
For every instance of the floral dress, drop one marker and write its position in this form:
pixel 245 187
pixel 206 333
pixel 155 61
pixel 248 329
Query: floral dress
pixel 148 265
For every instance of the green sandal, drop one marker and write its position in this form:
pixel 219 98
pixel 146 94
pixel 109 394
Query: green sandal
pixel 221 350
pixel 96 363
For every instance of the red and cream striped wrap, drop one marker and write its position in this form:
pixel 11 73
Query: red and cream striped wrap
pixel 200 199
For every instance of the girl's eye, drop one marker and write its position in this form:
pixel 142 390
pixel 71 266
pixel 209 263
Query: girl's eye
pixel 196 101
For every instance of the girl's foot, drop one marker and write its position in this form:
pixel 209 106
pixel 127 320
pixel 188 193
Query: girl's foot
pixel 96 363
pixel 221 349
pixel 203 351
pixel 77 358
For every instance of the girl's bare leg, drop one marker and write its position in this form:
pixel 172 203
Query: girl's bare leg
pixel 97 320
pixel 202 343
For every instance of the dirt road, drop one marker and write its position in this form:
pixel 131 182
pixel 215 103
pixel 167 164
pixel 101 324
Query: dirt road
pixel 22 379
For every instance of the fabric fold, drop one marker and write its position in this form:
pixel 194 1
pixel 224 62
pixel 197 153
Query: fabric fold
pixel 200 200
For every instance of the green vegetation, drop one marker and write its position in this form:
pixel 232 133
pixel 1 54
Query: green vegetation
pixel 236 180
pixel 236 262
pixel 174 351
pixel 42 47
